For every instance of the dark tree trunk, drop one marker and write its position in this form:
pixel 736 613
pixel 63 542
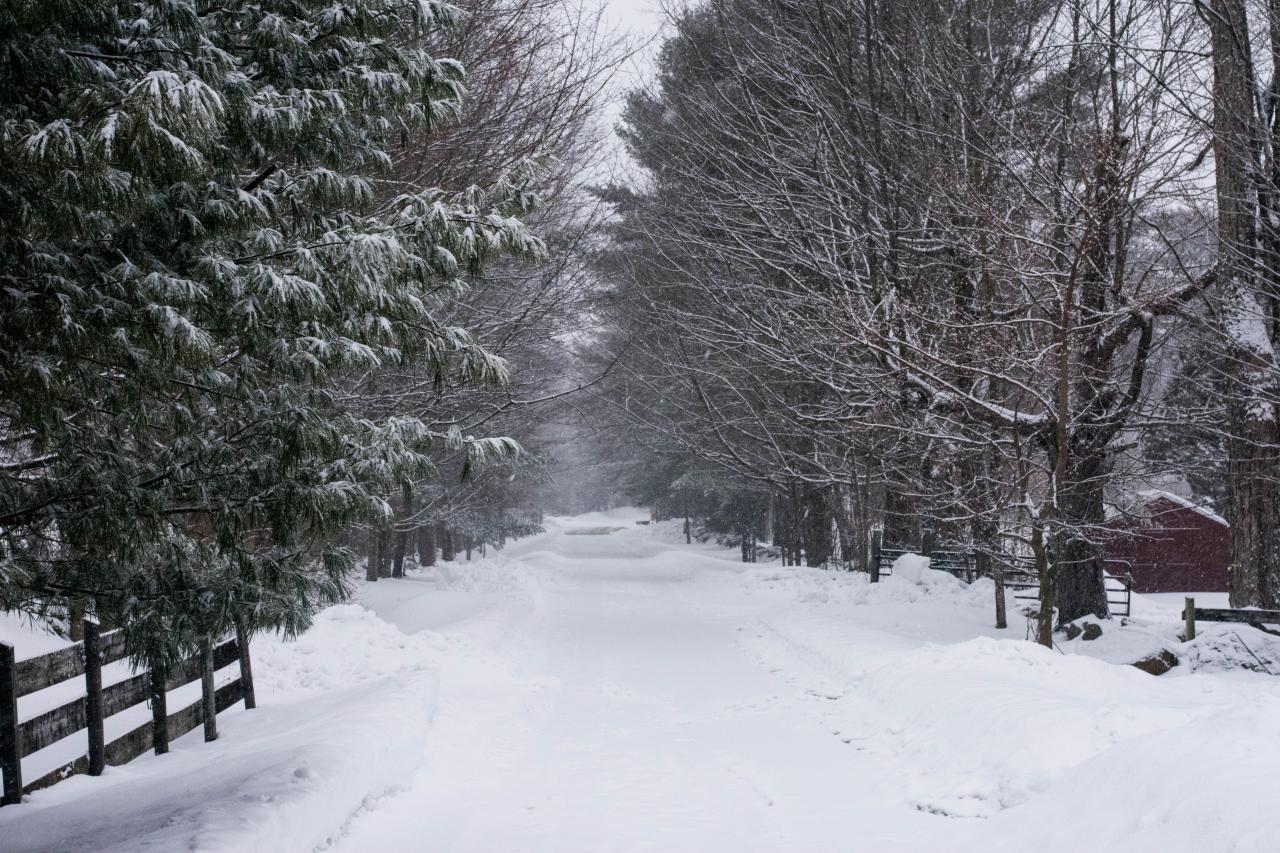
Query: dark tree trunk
pixel 1253 478
pixel 901 517
pixel 984 538
pixel 426 545
pixel 384 552
pixel 1255 516
pixel 446 545
pixel 402 537
pixel 841 512
pixel 1079 582
pixel 75 621
pixel 402 545
pixel 1044 618
pixel 374 559
pixel 816 527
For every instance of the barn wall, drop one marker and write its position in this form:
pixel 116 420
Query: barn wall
pixel 1177 550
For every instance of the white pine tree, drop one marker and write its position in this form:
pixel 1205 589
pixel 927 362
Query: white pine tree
pixel 197 251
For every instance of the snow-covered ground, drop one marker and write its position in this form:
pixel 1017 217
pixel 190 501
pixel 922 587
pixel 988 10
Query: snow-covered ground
pixel 620 691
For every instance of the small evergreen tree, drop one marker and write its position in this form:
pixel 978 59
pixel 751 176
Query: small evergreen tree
pixel 197 255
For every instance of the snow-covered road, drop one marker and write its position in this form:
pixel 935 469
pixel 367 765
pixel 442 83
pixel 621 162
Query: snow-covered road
pixel 616 690
pixel 628 713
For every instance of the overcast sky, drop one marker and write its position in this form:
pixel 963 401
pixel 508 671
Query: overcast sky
pixel 642 21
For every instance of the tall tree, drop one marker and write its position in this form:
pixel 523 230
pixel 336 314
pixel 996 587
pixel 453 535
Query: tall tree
pixel 1248 327
pixel 197 256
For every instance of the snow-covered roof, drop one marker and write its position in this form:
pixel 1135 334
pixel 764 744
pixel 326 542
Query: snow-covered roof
pixel 1154 494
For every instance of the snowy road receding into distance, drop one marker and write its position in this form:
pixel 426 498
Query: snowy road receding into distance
pixel 621 691
pixel 628 714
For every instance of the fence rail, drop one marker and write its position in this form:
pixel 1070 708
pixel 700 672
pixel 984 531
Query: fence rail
pixel 963 564
pixel 21 738
pixel 1247 616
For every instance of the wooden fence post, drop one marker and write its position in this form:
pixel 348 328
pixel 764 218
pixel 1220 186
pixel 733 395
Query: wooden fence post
pixel 159 711
pixel 246 666
pixel 877 541
pixel 1189 614
pixel 210 710
pixel 10 743
pixel 93 697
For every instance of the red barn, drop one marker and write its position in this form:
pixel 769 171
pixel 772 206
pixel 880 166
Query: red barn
pixel 1168 544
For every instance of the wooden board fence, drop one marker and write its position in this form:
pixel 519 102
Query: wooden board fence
pixel 1253 618
pixel 1022 582
pixel 21 738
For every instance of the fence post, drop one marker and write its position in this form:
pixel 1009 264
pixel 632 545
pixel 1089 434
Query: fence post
pixel 10 744
pixel 246 668
pixel 207 692
pixel 928 541
pixel 159 710
pixel 877 540
pixel 93 697
pixel 1189 614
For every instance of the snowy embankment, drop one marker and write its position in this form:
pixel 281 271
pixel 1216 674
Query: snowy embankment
pixel 605 686
pixel 978 723
pixel 342 717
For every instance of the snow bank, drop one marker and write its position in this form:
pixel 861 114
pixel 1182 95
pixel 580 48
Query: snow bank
pixel 1200 787
pixel 983 725
pixel 347 645
pixel 343 717
pixel 493 573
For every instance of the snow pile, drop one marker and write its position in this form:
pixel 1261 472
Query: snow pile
pixel 1231 649
pixel 493 573
pixel 981 726
pixel 347 645
pixel 910 567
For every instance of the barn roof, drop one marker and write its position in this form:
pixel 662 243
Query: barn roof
pixel 1150 495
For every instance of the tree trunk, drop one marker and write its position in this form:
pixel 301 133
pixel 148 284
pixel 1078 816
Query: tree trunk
pixel 997 575
pixel 402 537
pixel 1252 469
pixel 816 527
pixel 1044 619
pixel 426 545
pixel 384 552
pixel 75 621
pixel 446 545
pixel 402 545
pixel 374 558
pixel 901 517
pixel 842 512
pixel 1080 587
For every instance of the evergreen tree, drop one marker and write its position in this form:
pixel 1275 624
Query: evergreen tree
pixel 197 252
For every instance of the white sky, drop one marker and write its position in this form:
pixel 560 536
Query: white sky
pixel 641 21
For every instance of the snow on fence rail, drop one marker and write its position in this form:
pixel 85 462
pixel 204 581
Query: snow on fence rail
pixel 963 564
pixel 21 738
